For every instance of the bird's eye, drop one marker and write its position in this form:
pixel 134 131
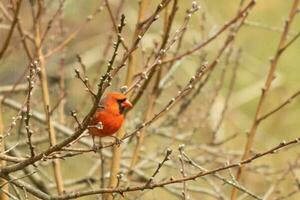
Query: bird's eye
pixel 121 107
pixel 121 100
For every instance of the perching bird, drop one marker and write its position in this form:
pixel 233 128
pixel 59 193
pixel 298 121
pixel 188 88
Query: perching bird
pixel 109 117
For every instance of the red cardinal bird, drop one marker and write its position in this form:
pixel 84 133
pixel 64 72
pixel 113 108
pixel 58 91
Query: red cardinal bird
pixel 109 117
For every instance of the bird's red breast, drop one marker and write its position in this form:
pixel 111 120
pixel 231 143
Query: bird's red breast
pixel 109 118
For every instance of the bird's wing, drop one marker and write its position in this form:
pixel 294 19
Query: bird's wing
pixel 101 105
pixel 99 109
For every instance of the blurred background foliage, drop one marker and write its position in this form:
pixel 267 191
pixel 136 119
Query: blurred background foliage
pixel 258 40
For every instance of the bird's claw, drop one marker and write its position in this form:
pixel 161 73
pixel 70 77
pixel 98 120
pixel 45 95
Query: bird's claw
pixel 95 148
pixel 118 141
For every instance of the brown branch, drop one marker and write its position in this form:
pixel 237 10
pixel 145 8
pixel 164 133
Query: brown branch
pixel 166 158
pixel 34 69
pixel 229 182
pixel 22 33
pixel 132 62
pixel 179 180
pixel 268 82
pixel 213 37
pixel 72 35
pixel 117 151
pixel 111 15
pixel 11 30
pixel 183 171
pixel 8 88
pixel 2 161
pixel 50 22
pixel 11 158
pixel 29 188
pixel 279 107
pixel 165 46
pixel 145 28
pixel 169 19
pixel 86 83
pixel 105 78
pixel 46 95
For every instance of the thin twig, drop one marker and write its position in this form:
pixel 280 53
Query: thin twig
pixel 11 30
pixel 265 89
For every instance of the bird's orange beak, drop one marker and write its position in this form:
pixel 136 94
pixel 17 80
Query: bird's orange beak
pixel 126 104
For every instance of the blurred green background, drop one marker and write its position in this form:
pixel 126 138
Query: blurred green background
pixel 258 39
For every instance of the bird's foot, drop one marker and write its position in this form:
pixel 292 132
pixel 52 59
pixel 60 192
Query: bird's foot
pixel 95 148
pixel 117 140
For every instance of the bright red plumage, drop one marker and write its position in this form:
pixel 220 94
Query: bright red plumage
pixel 109 118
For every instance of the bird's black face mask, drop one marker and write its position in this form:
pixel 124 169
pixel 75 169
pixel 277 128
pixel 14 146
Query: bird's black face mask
pixel 121 108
